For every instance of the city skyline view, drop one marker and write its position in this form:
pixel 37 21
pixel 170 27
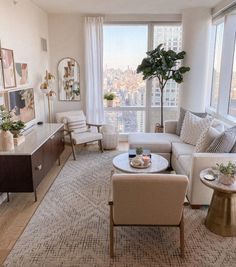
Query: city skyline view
pixel 124 48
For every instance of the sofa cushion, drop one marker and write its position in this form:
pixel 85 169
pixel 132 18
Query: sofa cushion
pixel 179 149
pixel 206 138
pixel 223 143
pixel 156 142
pixel 193 126
pixel 181 118
pixel 186 162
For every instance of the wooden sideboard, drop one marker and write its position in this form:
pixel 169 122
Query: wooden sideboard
pixel 22 169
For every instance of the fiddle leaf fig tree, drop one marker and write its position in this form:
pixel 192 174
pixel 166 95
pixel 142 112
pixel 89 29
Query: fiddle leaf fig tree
pixel 163 65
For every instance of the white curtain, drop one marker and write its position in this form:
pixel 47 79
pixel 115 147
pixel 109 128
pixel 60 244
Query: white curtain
pixel 94 69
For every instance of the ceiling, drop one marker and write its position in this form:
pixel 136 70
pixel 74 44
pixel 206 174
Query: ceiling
pixel 122 6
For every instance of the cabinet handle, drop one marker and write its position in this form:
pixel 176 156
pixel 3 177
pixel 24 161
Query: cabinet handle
pixel 38 168
pixel 52 137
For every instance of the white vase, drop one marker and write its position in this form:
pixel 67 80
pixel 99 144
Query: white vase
pixel 7 141
pixel 110 103
pixel 225 179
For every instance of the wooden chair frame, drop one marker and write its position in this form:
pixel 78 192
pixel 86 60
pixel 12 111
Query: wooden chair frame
pixel 112 225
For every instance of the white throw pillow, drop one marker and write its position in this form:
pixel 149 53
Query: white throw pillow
pixel 77 124
pixel 206 138
pixel 192 128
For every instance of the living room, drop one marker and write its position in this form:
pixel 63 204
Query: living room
pixel 85 108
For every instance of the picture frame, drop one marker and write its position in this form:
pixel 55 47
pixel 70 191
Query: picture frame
pixel 8 68
pixel 21 104
pixel 22 74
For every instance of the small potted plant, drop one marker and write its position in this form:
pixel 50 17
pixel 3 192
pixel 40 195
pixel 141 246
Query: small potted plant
pixel 16 128
pixel 7 142
pixel 226 173
pixel 139 151
pixel 109 97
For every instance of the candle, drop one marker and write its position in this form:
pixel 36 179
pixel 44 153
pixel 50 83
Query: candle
pixel 146 160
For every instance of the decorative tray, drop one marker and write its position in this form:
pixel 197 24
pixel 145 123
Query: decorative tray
pixel 140 167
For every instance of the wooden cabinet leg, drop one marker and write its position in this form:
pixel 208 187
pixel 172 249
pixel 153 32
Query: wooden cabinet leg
pixel 35 195
pixel 8 197
pixel 59 161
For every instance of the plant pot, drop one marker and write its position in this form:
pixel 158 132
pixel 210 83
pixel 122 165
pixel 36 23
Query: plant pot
pixel 110 103
pixel 7 141
pixel 225 179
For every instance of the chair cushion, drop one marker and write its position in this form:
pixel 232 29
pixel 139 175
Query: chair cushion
pixel 85 137
pixel 77 123
pixel 192 127
pixel 181 119
pixel 179 149
pixel 156 142
pixel 223 143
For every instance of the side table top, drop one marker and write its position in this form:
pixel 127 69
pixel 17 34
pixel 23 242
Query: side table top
pixel 215 184
pixel 121 162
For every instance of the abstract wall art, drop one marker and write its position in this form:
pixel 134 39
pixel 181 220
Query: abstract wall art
pixel 8 66
pixel 22 74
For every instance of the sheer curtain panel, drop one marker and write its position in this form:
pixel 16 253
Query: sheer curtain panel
pixel 94 69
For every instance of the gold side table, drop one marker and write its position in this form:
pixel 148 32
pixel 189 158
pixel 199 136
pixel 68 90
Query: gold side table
pixel 221 216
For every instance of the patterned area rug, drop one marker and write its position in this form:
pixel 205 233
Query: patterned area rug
pixel 71 228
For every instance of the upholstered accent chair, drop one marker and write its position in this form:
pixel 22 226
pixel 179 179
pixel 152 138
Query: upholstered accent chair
pixel 78 130
pixel 147 200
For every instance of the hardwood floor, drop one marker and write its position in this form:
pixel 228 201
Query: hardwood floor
pixel 15 215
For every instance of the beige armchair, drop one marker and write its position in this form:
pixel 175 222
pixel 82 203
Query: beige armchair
pixel 78 130
pixel 147 200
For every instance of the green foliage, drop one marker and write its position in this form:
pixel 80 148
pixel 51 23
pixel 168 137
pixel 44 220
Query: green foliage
pixel 139 151
pixel 229 169
pixel 163 65
pixel 109 96
pixel 6 122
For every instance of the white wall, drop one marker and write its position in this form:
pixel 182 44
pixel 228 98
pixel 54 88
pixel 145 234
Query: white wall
pixel 21 27
pixel 196 33
pixel 66 34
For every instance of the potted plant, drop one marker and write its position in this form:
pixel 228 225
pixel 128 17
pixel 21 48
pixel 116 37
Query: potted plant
pixel 109 97
pixel 139 151
pixel 226 173
pixel 7 142
pixel 9 129
pixel 163 65
pixel 16 128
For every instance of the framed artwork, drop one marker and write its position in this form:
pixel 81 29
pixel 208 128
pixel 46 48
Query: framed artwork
pixel 1 78
pixel 22 74
pixel 21 104
pixel 8 68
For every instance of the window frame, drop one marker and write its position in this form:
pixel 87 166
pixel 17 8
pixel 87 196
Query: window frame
pixel 147 108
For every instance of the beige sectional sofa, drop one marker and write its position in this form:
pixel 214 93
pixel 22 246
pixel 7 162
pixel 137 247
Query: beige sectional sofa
pixel 182 159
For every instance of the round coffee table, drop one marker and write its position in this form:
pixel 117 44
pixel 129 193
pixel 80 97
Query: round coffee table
pixel 121 162
pixel 221 216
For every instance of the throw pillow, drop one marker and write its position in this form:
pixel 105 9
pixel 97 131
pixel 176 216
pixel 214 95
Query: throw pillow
pixel 77 124
pixel 181 118
pixel 192 128
pixel 205 139
pixel 223 143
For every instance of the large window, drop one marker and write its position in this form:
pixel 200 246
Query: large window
pixel 223 87
pixel 216 65
pixel 124 48
pixel 232 103
pixel 137 103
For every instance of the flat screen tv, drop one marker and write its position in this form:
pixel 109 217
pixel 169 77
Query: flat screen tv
pixel 22 106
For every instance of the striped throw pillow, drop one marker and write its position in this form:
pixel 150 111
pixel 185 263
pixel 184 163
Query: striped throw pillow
pixel 224 143
pixel 77 124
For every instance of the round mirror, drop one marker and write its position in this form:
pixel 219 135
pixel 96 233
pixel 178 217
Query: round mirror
pixel 68 80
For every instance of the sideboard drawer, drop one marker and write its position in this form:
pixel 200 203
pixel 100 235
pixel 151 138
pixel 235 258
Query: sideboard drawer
pixel 38 168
